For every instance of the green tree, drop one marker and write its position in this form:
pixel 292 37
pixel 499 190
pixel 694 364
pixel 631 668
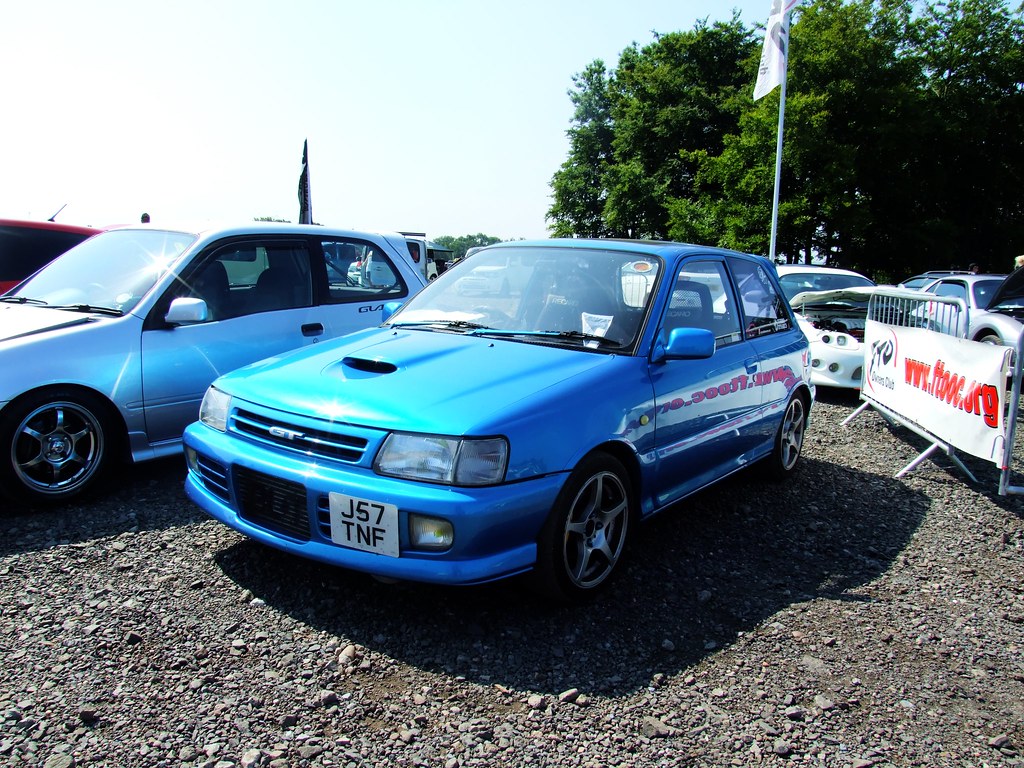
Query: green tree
pixel 624 162
pixel 901 151
pixel 678 93
pixel 850 103
pixel 579 186
pixel 973 58
pixel 459 245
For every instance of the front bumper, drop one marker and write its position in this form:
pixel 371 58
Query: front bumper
pixel 495 528
pixel 837 366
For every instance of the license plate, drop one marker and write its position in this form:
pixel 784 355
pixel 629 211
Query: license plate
pixel 364 524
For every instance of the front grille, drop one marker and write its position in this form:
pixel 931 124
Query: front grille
pixel 323 443
pixel 214 476
pixel 271 503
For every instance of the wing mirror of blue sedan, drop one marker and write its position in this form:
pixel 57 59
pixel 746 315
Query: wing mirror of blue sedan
pixel 187 311
pixel 684 344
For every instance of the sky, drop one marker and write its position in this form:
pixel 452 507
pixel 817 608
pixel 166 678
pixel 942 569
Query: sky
pixel 441 116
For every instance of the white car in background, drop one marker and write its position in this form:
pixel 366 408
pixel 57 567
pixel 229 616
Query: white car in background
pixel 831 307
pixel 503 279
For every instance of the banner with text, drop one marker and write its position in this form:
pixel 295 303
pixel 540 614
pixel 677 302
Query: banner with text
pixel 953 388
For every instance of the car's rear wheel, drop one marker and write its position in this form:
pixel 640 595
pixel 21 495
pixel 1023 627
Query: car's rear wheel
pixel 990 338
pixel 789 440
pixel 584 537
pixel 56 445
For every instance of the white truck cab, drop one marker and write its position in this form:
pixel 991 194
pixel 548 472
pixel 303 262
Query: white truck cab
pixel 430 258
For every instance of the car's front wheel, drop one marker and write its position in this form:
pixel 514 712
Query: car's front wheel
pixel 55 445
pixel 584 537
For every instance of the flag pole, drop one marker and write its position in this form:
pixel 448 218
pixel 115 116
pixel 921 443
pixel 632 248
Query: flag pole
pixel 772 72
pixel 778 167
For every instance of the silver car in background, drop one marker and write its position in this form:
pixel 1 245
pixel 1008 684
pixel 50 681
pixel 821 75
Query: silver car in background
pixel 106 352
pixel 992 304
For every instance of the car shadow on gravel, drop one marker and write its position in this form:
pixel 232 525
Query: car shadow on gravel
pixel 697 578
pixel 146 496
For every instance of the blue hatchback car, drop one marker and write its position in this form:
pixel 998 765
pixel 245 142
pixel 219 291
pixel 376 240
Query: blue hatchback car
pixel 474 436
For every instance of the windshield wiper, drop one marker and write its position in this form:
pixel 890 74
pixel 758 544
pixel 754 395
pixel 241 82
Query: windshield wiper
pixel 21 300
pixel 458 324
pixel 90 308
pixel 604 341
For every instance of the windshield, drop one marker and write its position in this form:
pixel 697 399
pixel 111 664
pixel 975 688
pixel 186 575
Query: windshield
pixel 112 270
pixel 537 293
pixel 984 290
pixel 798 282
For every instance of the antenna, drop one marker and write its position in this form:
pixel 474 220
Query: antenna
pixel 58 211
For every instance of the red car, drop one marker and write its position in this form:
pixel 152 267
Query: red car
pixel 25 246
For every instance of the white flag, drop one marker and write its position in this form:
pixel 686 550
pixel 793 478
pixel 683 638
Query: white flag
pixel 776 46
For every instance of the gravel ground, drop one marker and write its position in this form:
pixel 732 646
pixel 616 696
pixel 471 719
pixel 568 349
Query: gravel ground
pixel 846 618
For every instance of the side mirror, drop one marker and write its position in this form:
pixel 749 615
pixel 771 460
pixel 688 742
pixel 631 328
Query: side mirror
pixel 684 344
pixel 187 311
pixel 389 309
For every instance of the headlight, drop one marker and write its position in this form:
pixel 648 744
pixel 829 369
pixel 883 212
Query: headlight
pixel 214 410
pixel 450 460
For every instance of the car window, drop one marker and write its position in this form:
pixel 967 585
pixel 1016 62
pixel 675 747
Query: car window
pixel 953 288
pixel 764 308
pixel 359 271
pixel 702 298
pixel 916 282
pixel 242 278
pixel 23 250
pixel 797 282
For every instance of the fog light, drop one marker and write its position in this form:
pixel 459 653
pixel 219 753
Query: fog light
pixel 192 459
pixel 430 532
pixel 833 367
pixel 815 363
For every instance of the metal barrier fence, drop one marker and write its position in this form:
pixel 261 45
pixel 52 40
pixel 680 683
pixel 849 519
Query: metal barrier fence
pixel 914 309
pixel 1013 405
pixel 902 308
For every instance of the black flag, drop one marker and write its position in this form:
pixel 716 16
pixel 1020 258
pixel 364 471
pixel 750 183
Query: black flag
pixel 305 206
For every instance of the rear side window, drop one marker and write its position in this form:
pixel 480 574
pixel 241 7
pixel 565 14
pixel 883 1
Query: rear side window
pixel 764 308
pixel 23 250
pixel 952 288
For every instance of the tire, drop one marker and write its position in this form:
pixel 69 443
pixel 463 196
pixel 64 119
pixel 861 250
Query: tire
pixel 55 446
pixel 990 338
pixel 789 441
pixel 585 535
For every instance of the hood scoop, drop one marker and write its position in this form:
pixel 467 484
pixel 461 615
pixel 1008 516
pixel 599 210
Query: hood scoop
pixel 366 365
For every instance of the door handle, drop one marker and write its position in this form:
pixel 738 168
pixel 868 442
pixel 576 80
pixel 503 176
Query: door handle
pixel 312 329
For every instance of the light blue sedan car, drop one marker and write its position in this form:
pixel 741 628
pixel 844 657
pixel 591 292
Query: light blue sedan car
pixel 474 437
pixel 107 351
